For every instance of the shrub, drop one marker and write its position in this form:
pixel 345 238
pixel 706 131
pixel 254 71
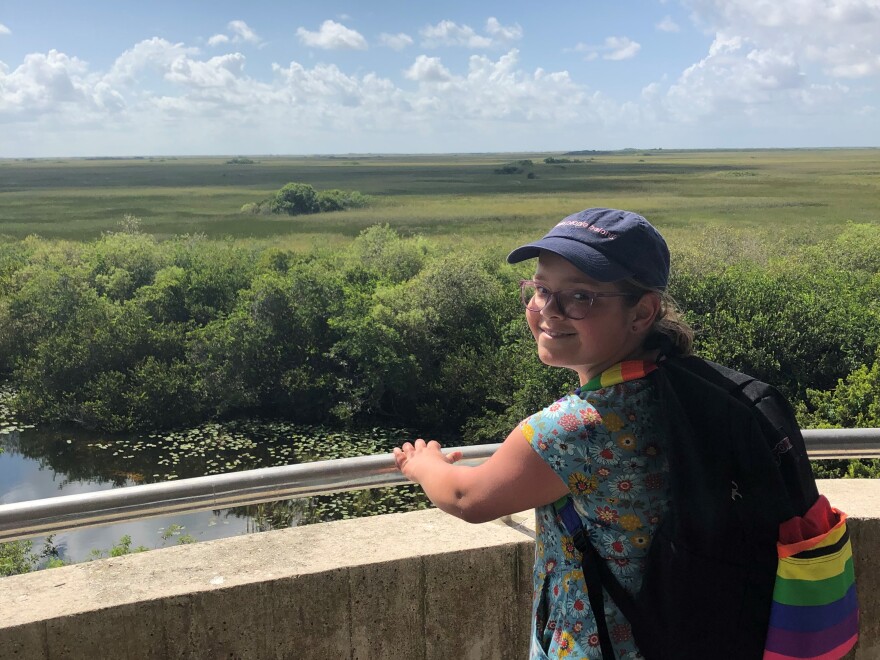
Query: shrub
pixel 331 200
pixel 295 199
pixel 795 323
pixel 550 160
pixel 301 198
pixel 382 251
pixel 17 557
pixel 339 200
pixel 853 403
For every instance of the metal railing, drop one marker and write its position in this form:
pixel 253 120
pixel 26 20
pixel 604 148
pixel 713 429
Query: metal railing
pixel 55 514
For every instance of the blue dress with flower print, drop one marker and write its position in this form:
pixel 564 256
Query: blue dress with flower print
pixel 608 446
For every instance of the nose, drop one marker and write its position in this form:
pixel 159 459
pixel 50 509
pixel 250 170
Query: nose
pixel 552 309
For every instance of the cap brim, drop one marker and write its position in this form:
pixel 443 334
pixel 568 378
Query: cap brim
pixel 583 257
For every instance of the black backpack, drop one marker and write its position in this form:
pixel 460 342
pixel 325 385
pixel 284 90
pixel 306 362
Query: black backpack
pixel 738 468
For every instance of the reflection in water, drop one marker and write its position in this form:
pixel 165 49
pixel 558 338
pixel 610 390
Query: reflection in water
pixel 36 464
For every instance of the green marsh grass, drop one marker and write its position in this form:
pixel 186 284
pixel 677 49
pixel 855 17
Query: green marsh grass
pixel 800 193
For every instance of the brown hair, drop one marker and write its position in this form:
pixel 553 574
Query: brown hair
pixel 670 331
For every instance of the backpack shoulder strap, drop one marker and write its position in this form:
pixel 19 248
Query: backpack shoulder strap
pixel 597 575
pixel 776 419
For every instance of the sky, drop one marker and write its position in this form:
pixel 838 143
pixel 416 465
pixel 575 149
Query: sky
pixel 121 78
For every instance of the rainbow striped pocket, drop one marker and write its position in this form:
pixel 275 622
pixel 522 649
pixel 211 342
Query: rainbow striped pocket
pixel 815 614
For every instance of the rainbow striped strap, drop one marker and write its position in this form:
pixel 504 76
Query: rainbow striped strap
pixel 815 613
pixel 619 373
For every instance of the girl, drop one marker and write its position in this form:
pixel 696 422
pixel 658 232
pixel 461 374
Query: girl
pixel 596 305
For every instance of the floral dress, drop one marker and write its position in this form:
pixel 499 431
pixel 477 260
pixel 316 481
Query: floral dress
pixel 606 443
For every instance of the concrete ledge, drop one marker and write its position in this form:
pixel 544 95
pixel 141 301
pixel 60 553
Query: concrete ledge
pixel 860 499
pixel 414 585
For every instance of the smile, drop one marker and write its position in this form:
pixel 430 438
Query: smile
pixel 556 335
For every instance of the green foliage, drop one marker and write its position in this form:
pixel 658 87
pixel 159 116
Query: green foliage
pixel 853 403
pixel 303 199
pixel 295 199
pixel 864 468
pixel 383 254
pixel 118 549
pixel 130 333
pixel 798 322
pixel 176 531
pixel 339 200
pixel 515 167
pixel 17 557
pixel 97 334
pixel 123 547
pixel 550 160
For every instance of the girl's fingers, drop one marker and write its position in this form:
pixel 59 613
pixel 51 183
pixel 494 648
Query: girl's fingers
pixel 399 457
pixel 454 456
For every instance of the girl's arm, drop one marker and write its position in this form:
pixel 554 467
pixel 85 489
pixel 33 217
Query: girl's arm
pixel 513 479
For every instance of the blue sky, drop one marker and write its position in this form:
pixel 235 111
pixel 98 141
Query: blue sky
pixel 184 78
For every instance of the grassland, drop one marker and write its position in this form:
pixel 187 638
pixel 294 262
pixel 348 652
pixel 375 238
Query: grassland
pixel 800 194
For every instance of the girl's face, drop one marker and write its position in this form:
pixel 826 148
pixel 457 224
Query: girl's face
pixel 611 332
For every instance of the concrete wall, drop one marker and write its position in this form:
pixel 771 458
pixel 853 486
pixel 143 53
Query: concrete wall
pixel 415 585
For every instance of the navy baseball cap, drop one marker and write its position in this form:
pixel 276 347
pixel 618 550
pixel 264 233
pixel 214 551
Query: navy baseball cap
pixel 607 245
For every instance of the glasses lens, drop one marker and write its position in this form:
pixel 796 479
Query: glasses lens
pixel 572 304
pixel 532 298
pixel 575 304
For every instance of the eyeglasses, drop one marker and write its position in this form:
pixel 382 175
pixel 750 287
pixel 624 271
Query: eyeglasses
pixel 574 304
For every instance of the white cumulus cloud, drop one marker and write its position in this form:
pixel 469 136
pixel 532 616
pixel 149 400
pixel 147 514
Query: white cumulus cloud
pixel 397 41
pixel 217 72
pixel 838 35
pixel 778 68
pixel 332 36
pixel 58 84
pixel 734 75
pixel 428 69
pixel 668 25
pixel 149 54
pixel 238 32
pixel 496 90
pixel 242 32
pixel 614 49
pixel 4 29
pixel 621 48
pixel 449 33
pixel 503 33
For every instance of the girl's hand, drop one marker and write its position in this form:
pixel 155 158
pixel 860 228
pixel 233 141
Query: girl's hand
pixel 413 459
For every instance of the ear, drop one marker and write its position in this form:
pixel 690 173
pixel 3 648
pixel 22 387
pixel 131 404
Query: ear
pixel 645 311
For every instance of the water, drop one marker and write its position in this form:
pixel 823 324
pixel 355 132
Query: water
pixel 38 476
pixel 37 464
